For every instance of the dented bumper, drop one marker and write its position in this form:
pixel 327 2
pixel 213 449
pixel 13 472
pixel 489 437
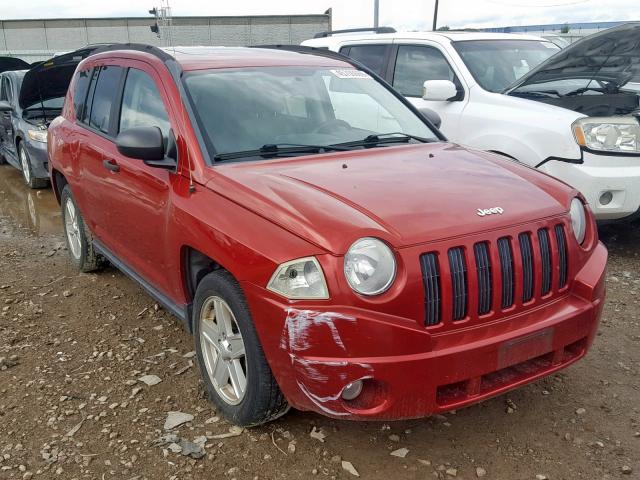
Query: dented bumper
pixel 316 349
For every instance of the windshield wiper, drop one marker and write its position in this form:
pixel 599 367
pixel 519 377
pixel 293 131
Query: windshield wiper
pixel 381 138
pixel 274 150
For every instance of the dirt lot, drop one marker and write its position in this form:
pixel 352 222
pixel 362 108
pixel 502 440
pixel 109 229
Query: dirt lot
pixel 71 405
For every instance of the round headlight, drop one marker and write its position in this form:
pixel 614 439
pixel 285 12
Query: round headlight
pixel 370 266
pixel 578 220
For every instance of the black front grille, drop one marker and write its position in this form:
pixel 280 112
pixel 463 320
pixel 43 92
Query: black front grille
pixel 545 260
pixel 506 268
pixel 527 266
pixel 431 280
pixel 561 241
pixel 458 267
pixel 483 268
pixel 514 254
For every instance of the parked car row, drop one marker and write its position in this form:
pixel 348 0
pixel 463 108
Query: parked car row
pixel 326 246
pixel 572 114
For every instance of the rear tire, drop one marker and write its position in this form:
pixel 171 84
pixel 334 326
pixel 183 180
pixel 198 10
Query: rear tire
pixel 27 171
pixel 234 369
pixel 78 237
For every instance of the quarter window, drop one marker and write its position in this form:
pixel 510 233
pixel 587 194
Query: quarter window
pixel 142 104
pixel 371 56
pixel 416 64
pixel 105 92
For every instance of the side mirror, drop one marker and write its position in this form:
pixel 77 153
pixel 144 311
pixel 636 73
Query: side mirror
pixel 141 143
pixel 439 90
pixel 432 116
pixel 5 107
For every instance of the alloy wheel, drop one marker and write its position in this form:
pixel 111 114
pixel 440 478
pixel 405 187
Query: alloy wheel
pixel 24 162
pixel 72 229
pixel 223 350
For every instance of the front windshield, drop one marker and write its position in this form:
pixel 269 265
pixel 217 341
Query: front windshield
pixel 245 109
pixel 51 103
pixel 496 64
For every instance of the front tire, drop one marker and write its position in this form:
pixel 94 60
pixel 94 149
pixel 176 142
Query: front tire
pixel 234 369
pixel 77 235
pixel 27 171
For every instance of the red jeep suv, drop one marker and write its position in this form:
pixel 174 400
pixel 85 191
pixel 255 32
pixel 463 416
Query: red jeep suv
pixel 323 243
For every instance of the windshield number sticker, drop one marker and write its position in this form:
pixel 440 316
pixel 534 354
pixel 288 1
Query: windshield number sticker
pixel 350 73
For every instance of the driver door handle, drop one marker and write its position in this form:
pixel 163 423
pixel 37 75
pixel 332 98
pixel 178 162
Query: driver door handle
pixel 111 165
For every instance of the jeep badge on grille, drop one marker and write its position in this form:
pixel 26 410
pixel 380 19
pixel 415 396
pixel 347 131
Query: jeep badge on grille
pixel 490 211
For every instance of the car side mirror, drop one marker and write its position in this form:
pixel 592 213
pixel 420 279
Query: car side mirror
pixel 5 106
pixel 147 144
pixel 439 90
pixel 432 116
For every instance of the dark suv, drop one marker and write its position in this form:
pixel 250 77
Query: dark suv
pixel 325 245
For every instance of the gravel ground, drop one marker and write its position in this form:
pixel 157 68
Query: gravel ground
pixel 81 357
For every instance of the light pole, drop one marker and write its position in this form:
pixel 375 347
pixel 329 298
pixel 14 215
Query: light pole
pixel 435 17
pixel 376 12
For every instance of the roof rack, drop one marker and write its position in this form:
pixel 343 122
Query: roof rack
pixel 355 30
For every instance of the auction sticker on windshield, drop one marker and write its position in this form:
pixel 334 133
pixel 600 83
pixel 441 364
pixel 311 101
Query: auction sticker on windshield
pixel 350 73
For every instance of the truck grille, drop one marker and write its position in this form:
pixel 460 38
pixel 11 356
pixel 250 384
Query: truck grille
pixel 487 277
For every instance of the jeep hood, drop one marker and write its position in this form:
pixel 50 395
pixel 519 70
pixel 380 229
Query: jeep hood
pixel 405 195
pixel 12 63
pixel 598 75
pixel 51 78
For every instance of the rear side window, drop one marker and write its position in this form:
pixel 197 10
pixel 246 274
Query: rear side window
pixel 80 92
pixel 103 97
pixel 371 56
pixel 142 105
pixel 416 64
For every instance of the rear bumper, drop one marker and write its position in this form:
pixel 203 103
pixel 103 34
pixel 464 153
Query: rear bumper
pixel 315 350
pixel 599 174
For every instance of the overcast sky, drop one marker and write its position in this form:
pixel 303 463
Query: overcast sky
pixel 402 14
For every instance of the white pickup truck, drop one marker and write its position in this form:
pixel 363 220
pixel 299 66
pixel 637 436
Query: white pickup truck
pixel 573 116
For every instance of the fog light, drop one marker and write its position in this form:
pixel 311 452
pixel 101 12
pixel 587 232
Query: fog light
pixel 605 198
pixel 352 390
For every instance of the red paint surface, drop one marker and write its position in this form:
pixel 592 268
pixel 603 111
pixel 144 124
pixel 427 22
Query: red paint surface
pixel 250 217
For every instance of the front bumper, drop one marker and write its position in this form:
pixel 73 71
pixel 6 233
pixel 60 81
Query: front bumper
pixel 598 174
pixel 315 350
pixel 38 156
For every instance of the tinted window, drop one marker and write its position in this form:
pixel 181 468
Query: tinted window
pixel 415 64
pixel 105 92
pixel 371 56
pixel 142 104
pixel 80 92
pixel 5 90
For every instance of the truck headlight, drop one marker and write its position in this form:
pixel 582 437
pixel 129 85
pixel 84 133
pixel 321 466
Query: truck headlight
pixel 578 220
pixel 299 279
pixel 38 135
pixel 608 134
pixel 370 266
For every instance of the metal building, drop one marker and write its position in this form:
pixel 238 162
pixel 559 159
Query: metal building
pixel 35 40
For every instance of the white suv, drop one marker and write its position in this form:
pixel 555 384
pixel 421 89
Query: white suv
pixel 573 117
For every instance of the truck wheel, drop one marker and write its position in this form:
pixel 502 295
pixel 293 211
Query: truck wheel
pixel 27 171
pixel 233 366
pixel 77 235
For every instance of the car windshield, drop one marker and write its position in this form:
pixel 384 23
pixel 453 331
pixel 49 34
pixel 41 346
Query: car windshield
pixel 240 110
pixel 51 103
pixel 496 64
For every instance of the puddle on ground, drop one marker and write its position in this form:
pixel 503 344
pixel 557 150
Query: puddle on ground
pixel 25 210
